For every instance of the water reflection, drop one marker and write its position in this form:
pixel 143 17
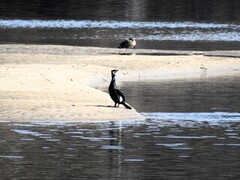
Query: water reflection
pixel 120 150
pixel 191 95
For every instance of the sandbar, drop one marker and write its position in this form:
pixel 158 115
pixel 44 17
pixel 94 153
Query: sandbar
pixel 60 83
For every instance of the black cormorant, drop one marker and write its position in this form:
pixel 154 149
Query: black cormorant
pixel 130 43
pixel 116 93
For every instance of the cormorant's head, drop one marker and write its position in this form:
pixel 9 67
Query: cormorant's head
pixel 114 71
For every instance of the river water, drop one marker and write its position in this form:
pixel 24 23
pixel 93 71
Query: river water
pixel 156 24
pixel 185 95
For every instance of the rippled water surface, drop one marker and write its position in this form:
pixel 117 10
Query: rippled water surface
pixel 153 149
pixel 156 24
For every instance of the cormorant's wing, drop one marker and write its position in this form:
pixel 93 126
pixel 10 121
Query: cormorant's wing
pixel 120 94
pixel 121 98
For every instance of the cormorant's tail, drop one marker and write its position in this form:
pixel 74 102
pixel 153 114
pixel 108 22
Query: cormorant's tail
pixel 126 105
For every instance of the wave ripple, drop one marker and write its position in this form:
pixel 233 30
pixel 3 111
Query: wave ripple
pixel 209 117
pixel 18 23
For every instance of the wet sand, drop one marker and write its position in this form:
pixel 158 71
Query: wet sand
pixel 58 83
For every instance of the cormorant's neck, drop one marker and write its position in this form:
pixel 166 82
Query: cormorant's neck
pixel 113 81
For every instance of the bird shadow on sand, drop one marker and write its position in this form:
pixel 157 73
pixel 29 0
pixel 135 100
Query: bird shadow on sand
pixel 105 106
pixel 123 53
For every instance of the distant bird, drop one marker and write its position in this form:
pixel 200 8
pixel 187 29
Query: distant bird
pixel 116 93
pixel 130 43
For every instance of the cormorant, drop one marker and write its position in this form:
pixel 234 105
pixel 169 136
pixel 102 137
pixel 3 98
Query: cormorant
pixel 130 43
pixel 116 93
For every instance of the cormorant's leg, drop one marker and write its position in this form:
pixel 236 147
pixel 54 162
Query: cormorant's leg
pixel 118 105
pixel 115 105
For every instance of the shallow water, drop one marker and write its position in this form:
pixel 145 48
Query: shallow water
pixel 167 145
pixel 149 35
pixel 186 95
pixel 153 149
